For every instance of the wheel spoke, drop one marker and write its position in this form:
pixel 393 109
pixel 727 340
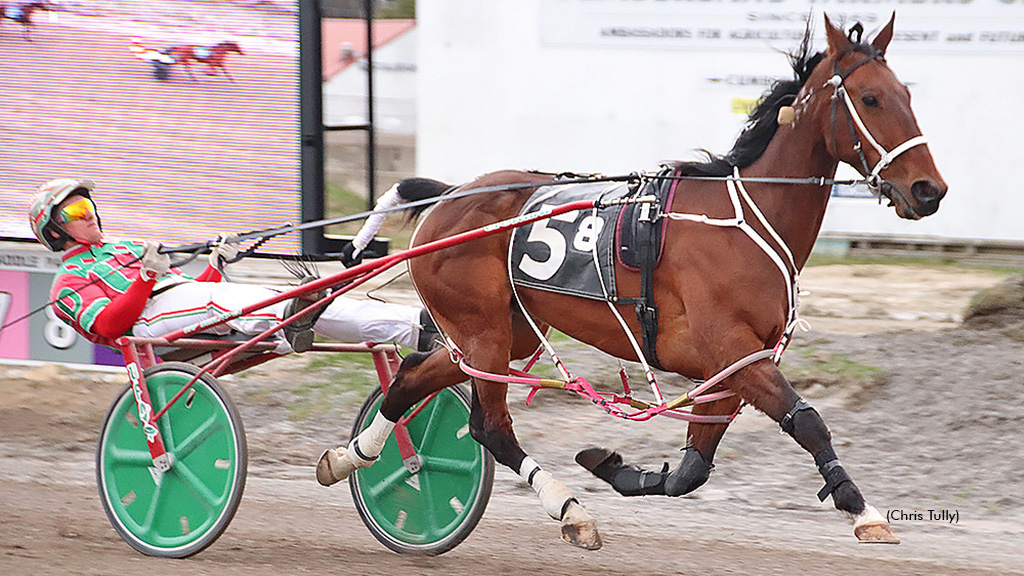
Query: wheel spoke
pixel 449 465
pixel 166 431
pixel 427 486
pixel 206 496
pixel 428 428
pixel 121 456
pixel 154 507
pixel 385 484
pixel 201 433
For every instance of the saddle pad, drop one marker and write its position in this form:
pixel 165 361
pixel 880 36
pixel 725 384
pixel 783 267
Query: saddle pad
pixel 634 228
pixel 558 254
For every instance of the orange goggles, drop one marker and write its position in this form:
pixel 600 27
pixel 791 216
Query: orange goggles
pixel 76 211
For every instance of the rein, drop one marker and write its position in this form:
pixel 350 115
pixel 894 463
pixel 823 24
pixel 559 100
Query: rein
pixel 632 177
pixel 288 228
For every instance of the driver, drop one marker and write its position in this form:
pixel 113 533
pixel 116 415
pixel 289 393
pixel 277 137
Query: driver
pixel 103 294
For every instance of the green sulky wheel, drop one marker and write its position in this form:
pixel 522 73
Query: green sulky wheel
pixel 431 511
pixel 179 512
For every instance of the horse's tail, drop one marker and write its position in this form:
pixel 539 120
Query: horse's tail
pixel 408 190
pixel 415 189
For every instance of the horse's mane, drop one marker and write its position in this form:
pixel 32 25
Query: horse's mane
pixel 763 120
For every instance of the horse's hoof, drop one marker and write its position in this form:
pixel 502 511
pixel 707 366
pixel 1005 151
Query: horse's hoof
pixel 591 458
pixel 334 466
pixel 579 529
pixel 875 533
pixel 871 528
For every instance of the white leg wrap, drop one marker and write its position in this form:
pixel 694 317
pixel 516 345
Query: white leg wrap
pixel 553 494
pixel 371 441
pixel 869 516
pixel 337 464
pixel 870 527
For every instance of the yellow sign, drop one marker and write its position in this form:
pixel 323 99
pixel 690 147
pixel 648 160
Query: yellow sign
pixel 743 105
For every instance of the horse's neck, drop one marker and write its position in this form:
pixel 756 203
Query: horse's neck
pixel 795 211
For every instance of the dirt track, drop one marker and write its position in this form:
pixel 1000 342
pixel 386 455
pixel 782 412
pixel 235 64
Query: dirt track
pixel 906 432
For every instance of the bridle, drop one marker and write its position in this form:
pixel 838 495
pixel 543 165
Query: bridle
pixel 873 177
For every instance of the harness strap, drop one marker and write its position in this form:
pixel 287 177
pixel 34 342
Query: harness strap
pixel 787 421
pixel 646 309
pixel 832 470
pixel 888 157
pixel 855 123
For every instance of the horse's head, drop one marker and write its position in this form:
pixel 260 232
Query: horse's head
pixel 868 123
pixel 231 46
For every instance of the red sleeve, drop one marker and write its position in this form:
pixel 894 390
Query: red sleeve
pixel 120 315
pixel 211 274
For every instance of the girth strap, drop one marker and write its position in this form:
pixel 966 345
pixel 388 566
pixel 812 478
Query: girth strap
pixel 646 309
pixel 648 240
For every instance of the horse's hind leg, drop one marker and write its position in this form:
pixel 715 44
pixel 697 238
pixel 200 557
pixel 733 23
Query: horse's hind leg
pixel 420 375
pixel 491 425
pixel 488 345
pixel 767 389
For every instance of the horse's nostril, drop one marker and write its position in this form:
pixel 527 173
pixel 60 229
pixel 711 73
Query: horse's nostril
pixel 926 191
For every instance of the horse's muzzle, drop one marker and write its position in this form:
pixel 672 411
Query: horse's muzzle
pixel 927 194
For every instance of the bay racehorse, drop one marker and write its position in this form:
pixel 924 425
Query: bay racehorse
pixel 21 14
pixel 719 292
pixel 213 56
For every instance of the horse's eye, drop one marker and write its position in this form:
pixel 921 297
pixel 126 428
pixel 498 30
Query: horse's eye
pixel 870 101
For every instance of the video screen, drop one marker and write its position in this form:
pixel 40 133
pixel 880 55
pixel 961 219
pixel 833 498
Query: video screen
pixel 185 113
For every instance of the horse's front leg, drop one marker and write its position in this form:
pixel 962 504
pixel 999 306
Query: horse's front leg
pixel 691 473
pixel 763 386
pixel 225 71
pixel 491 426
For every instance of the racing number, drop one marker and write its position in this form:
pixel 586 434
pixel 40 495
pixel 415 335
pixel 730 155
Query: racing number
pixel 57 333
pixel 5 305
pixel 587 233
pixel 586 236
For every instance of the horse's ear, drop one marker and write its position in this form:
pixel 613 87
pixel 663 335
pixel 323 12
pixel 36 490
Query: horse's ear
pixel 837 41
pixel 881 42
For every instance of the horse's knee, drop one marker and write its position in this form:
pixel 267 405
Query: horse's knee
pixel 691 473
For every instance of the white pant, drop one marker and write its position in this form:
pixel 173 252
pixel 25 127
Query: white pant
pixel 344 320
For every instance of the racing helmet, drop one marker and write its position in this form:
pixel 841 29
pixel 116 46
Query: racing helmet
pixel 47 197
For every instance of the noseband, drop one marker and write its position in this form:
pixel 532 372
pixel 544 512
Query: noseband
pixel 873 175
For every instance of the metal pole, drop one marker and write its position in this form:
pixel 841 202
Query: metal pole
pixel 311 122
pixel 371 146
